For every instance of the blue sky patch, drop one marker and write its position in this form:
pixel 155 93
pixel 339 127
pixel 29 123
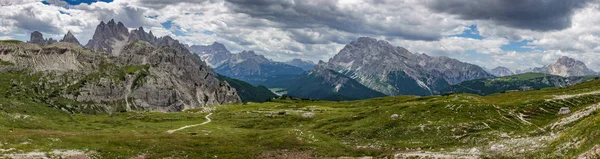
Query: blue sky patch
pixel 518 46
pixel 208 32
pixel 169 25
pixel 472 33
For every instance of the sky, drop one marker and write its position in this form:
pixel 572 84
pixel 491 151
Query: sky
pixel 517 34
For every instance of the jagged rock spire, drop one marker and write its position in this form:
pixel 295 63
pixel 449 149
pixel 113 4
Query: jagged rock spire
pixel 109 36
pixel 70 38
pixel 37 38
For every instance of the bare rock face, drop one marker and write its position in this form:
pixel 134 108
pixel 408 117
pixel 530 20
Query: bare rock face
pixel 215 54
pixel 70 38
pixel 566 67
pixel 37 38
pixel 140 34
pixel 110 37
pixel 149 73
pixel 502 71
pixel 396 71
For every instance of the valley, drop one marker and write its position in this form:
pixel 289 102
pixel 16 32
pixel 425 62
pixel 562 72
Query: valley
pixel 65 101
pixel 528 125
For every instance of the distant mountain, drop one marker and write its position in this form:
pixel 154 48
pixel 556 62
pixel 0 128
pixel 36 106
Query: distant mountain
pixel 214 55
pixel 395 71
pixel 70 38
pixel 248 92
pixel 522 71
pixel 324 84
pixel 37 38
pixel 246 66
pixel 527 81
pixel 255 69
pixel 502 71
pixel 566 67
pixel 305 65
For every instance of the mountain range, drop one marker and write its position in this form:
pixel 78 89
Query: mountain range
pixel 130 71
pixel 364 68
pixel 246 65
pixel 390 70
pixel 520 82
pixel 564 66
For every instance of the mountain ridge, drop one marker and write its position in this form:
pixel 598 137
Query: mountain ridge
pixel 247 66
pixel 387 69
pixel 144 73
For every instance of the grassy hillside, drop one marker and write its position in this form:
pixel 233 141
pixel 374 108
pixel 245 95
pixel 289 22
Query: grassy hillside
pixel 527 81
pixel 517 124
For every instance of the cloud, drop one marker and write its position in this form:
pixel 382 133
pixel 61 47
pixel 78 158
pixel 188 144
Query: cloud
pixel 539 15
pixel 5 38
pixel 399 19
pixel 318 29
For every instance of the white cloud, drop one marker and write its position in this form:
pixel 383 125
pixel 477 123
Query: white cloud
pixel 314 29
pixel 6 38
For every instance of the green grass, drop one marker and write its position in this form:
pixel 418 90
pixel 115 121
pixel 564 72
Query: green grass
pixel 6 63
pixel 11 41
pixel 252 130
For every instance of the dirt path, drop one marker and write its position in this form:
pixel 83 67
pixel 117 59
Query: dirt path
pixel 189 126
pixel 559 97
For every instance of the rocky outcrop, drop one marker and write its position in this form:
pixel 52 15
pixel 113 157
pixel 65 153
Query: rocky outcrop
pixel 140 34
pixel 70 38
pixel 109 37
pixel 37 38
pixel 177 74
pixel 158 76
pixel 566 67
pixel 502 71
pixel 395 71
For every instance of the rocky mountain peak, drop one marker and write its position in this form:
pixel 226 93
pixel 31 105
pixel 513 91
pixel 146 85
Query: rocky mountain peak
pixel 251 55
pixel 502 71
pixel 70 38
pixel 218 46
pixel 569 62
pixel 38 38
pixel 394 70
pixel 566 67
pixel 109 37
pixel 140 34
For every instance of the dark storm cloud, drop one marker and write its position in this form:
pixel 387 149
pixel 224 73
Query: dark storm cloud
pixel 538 15
pixel 324 13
